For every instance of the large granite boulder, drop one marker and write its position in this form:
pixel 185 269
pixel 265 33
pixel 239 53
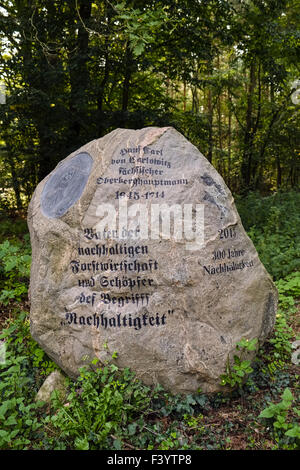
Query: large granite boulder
pixel 115 269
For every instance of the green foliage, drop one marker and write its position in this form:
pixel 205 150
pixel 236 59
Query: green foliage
pixel 13 228
pixel 140 26
pixel 192 421
pixel 177 405
pixel 275 356
pixel 279 354
pixel 289 286
pixel 235 374
pixel 273 223
pixel 171 442
pixel 280 415
pixel 281 338
pixel 39 358
pixel 20 415
pixel 15 260
pixel 100 404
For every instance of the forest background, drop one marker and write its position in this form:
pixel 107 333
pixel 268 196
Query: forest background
pixel 223 73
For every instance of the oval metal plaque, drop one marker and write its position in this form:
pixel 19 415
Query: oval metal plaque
pixel 66 185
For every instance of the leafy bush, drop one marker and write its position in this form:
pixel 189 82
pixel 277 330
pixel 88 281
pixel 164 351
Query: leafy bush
pixel 20 422
pixel 278 355
pixel 100 404
pixel 290 285
pixel 288 288
pixel 15 260
pixel 281 415
pixel 13 228
pixel 236 374
pixel 18 414
pixel 273 224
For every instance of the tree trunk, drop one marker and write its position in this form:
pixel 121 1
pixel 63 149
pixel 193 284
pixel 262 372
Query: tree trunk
pixel 220 137
pixel 15 182
pixel 229 141
pixel 127 78
pixel 79 76
pixel 195 100
pixel 248 135
pixel 210 125
pixel 279 174
pixel 103 83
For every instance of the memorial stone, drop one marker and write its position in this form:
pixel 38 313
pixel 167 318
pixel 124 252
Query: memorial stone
pixel 137 247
